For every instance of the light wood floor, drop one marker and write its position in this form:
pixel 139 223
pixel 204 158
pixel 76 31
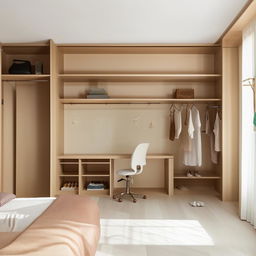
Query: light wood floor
pixel 162 226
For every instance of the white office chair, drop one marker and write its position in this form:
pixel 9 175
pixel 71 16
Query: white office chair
pixel 137 162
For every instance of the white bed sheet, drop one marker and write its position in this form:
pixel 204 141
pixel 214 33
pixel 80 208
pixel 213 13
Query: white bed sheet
pixel 19 213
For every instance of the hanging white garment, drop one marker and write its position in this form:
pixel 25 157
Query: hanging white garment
pixel 209 132
pixel 194 156
pixel 207 123
pixel 217 133
pixel 189 132
pixel 214 154
pixel 177 122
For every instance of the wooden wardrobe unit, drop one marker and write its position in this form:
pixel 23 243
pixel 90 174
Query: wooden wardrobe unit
pixel 25 115
pixel 131 74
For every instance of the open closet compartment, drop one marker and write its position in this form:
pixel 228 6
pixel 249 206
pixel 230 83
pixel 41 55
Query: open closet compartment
pixel 25 117
pixel 36 54
pixel 137 86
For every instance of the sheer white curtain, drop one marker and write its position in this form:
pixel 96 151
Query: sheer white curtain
pixel 248 134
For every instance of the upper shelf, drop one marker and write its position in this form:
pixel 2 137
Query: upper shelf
pixel 135 101
pixel 137 77
pixel 138 48
pixel 29 77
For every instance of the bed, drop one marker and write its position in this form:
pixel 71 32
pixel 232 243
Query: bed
pixel 67 225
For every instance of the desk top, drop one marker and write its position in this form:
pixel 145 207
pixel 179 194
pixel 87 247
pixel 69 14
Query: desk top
pixel 112 156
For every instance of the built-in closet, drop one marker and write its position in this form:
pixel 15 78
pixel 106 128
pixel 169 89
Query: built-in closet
pixel 25 114
pixel 56 135
pixel 140 82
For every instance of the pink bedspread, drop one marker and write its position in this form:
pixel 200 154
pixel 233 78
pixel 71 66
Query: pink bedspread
pixel 69 227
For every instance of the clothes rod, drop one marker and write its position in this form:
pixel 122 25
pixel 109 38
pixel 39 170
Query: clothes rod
pixel 214 106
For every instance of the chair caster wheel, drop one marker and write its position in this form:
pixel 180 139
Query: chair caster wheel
pixel 134 200
pixel 144 197
pixel 120 200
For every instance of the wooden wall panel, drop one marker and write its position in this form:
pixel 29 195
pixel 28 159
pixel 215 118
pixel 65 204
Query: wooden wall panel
pixel 1 123
pixel 8 126
pixel 230 135
pixel 56 129
pixel 32 140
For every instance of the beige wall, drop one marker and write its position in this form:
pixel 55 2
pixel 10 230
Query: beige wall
pixel 191 63
pixel 230 92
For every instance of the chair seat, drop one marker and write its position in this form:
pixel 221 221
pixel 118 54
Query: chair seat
pixel 126 172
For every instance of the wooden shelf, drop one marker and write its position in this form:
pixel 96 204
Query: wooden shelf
pixel 95 175
pixel 213 177
pixel 69 163
pixel 138 48
pixel 135 101
pixel 68 175
pixel 26 48
pixel 105 163
pixel 138 77
pixel 30 77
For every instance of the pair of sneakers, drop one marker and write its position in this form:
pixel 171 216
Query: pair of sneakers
pixel 193 174
pixel 197 203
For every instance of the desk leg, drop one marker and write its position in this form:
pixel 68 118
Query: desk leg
pixel 169 166
pixel 111 178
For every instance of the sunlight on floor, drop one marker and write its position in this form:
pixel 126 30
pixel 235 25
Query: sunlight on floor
pixel 154 232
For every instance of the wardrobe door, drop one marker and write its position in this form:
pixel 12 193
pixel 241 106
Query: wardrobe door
pixel 9 134
pixel 32 140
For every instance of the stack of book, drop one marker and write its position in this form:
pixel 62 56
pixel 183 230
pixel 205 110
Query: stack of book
pixel 97 93
pixel 95 186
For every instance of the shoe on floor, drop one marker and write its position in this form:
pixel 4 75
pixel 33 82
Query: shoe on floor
pixel 197 204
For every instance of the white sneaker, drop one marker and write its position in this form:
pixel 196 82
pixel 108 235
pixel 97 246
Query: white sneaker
pixel 197 204
pixel 197 174
pixel 193 203
pixel 189 174
pixel 201 204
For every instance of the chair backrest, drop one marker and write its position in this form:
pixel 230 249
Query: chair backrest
pixel 139 157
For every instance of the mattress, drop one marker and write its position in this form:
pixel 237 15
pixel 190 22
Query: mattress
pixel 18 214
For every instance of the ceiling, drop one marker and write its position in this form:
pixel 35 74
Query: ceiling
pixel 116 21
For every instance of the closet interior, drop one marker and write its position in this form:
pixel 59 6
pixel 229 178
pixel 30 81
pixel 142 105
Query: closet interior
pixel 75 132
pixel 139 83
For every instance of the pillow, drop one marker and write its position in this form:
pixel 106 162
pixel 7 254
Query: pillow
pixel 5 198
